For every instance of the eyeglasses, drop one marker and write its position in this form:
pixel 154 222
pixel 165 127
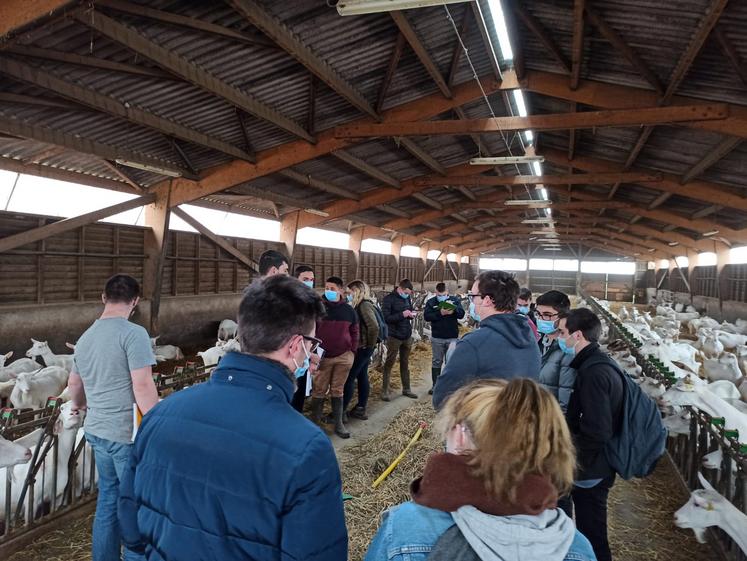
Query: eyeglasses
pixel 546 315
pixel 473 296
pixel 314 343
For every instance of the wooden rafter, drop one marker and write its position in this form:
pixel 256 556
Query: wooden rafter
pixel 572 137
pixel 487 42
pixel 185 69
pixel 67 224
pixel 577 55
pixel 573 179
pixel 311 112
pixel 718 152
pixel 420 51
pixel 542 34
pixel 368 169
pixel 399 46
pixel 546 122
pixel 739 66
pixel 272 160
pixel 122 175
pixel 624 49
pixel 696 190
pixel 425 158
pixel 319 184
pixel 84 146
pixel 456 55
pixel 109 105
pixel 426 200
pixel 17 14
pixel 295 47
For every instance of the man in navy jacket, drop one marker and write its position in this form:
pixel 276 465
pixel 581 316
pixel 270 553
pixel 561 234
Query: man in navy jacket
pixel 228 469
pixel 444 326
pixel 503 346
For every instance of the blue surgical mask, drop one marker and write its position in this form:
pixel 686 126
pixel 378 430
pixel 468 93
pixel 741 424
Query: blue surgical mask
pixel 332 295
pixel 523 309
pixel 546 326
pixel 443 298
pixel 309 283
pixel 565 348
pixel 473 313
pixel 301 370
pixel 349 298
pixel 404 295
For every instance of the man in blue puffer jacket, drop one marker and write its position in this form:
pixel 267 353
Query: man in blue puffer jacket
pixel 504 345
pixel 228 469
pixel 556 373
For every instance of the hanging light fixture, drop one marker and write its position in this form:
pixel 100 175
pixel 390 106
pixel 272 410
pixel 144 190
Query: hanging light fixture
pixel 358 7
pixel 500 160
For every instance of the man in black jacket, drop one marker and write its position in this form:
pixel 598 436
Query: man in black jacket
pixel 443 312
pixel 396 307
pixel 594 416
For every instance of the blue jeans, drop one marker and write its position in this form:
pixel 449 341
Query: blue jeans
pixel 111 460
pixel 358 373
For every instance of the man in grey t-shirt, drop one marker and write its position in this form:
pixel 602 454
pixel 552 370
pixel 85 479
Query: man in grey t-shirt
pixel 112 371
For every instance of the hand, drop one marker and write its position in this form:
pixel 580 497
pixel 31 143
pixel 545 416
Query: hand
pixel 407 314
pixel 446 312
pixel 314 363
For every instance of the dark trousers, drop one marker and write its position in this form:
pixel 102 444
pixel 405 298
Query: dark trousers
pixel 394 348
pixel 359 374
pixel 299 397
pixel 591 515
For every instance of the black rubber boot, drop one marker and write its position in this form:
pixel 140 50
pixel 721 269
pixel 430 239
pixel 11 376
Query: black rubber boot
pixel 340 429
pixel 358 412
pixel 317 405
pixel 435 373
pixel 385 387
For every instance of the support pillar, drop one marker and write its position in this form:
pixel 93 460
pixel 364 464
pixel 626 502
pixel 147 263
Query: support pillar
pixel 424 248
pixel 288 230
pixel 396 252
pixel 444 260
pixel 157 217
pixel 722 284
pixel 354 245
pixel 692 262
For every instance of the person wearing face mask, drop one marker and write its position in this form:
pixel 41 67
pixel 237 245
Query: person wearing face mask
pixel 305 274
pixel 443 312
pixel 112 370
pixel 398 312
pixel 503 346
pixel 595 414
pixel 525 307
pixel 492 495
pixel 556 373
pixel 228 469
pixel 339 332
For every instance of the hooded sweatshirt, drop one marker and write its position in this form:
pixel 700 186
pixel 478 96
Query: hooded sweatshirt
pixel 503 347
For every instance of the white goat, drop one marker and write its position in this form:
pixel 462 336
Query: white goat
pixel 12 453
pixel 227 330
pixel 165 352
pixel 32 390
pixel 41 348
pixel 725 367
pixel 707 508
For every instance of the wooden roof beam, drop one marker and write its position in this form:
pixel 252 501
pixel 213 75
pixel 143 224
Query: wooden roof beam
pixel 547 122
pixel 577 55
pixel 187 70
pixel 426 200
pixel 739 66
pixel 456 55
pixel 110 106
pixel 15 15
pixel 487 42
pixel 542 34
pixel 295 47
pixel 55 228
pixel 565 179
pixel 295 152
pixel 84 146
pixel 399 46
pixel 319 184
pixel 366 168
pixel 420 51
pixel 611 96
pixel 624 49
pixel 424 157
pixel 697 190
pixel 718 152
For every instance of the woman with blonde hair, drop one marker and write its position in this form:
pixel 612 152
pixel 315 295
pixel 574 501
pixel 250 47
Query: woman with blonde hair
pixel 359 297
pixel 492 496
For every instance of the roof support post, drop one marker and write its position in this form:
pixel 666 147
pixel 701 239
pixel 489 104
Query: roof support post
pixel 722 284
pixel 354 245
pixel 157 217
pixel 288 230
pixel 396 253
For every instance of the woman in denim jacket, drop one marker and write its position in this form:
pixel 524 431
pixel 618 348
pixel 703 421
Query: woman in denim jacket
pixel 493 495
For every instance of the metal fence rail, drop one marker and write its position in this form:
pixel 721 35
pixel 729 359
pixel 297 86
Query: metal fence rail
pixel 707 434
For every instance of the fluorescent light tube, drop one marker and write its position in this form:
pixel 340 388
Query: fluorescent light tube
pixel 358 7
pixel 506 160
pixel 149 168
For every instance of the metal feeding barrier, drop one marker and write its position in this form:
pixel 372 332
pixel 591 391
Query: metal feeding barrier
pixel 707 434
pixel 25 512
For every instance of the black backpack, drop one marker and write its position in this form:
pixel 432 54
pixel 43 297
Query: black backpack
pixel 642 438
pixel 383 327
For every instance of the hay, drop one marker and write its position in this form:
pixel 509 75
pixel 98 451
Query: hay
pixel 362 464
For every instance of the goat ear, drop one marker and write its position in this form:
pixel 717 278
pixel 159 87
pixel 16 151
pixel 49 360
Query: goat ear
pixel 70 346
pixel 8 355
pixel 704 482
pixel 34 340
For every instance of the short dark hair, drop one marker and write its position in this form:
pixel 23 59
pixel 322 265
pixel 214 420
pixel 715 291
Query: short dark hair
pixel 274 309
pixel 405 284
pixel 557 300
pixel 441 287
pixel 501 287
pixel 525 293
pixel 270 259
pixel 302 269
pixel 583 320
pixel 121 289
pixel 336 280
